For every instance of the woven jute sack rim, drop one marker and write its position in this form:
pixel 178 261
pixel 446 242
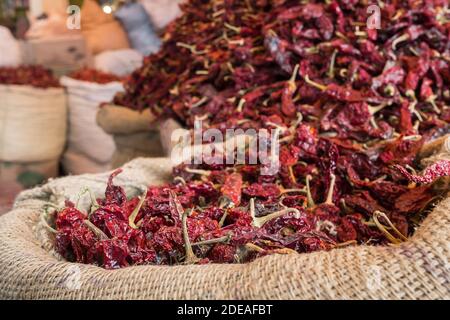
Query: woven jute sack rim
pixel 30 90
pixel 116 119
pixel 30 269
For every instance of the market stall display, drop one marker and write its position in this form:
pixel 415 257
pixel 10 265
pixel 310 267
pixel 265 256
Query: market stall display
pixel 338 189
pixel 32 125
pixel 89 148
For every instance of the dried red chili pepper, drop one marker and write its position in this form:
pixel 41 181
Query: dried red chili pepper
pixel 93 75
pixel 232 188
pixel 365 100
pixel 35 76
pixel 430 174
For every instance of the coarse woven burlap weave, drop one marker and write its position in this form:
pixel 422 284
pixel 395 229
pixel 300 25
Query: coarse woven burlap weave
pixel 135 134
pixel 29 269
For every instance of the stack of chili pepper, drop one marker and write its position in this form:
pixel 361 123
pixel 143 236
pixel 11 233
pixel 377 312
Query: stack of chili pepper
pixel 234 215
pixel 35 76
pixel 93 75
pixel 353 107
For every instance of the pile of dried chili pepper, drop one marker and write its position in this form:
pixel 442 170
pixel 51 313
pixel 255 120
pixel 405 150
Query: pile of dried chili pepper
pixel 36 76
pixel 96 76
pixel 353 107
pixel 226 214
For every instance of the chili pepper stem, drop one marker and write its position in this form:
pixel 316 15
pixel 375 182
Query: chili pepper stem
pixel 99 233
pixel 399 40
pixel 319 86
pixel 134 214
pixel 218 13
pixel 332 64
pixel 329 200
pixel 233 28
pixel 190 258
pixel 223 219
pixel 374 123
pixel 293 191
pixel 412 107
pixel 375 109
pixel 296 123
pixel 261 221
pixel 180 179
pixel 226 203
pixel 254 247
pixel 294 76
pixel 199 103
pixel 343 72
pixel 390 90
pixel 309 197
pixel 199 172
pixel 191 48
pixel 44 222
pixel 224 239
pixel 432 100
pixel 292 175
pixel 94 203
pixel 240 106
pixel 283 129
pixel 382 228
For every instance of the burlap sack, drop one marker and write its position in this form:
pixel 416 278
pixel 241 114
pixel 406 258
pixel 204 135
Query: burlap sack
pixel 85 138
pixel 167 129
pixel 119 120
pixel 76 163
pixel 29 268
pixel 132 146
pixel 102 31
pixel 33 123
pixel 135 133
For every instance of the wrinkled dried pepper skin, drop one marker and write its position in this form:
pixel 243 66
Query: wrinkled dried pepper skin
pixel 353 118
pixel 93 75
pixel 35 76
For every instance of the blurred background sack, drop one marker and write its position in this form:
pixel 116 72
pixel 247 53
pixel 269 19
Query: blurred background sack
pixel 136 134
pixel 118 62
pixel 10 49
pixel 102 31
pixel 87 143
pixel 162 12
pixel 139 28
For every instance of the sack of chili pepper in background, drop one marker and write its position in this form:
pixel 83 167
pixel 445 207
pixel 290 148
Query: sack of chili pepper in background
pixel 118 62
pixel 136 134
pixel 33 121
pixel 31 267
pixel 89 148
